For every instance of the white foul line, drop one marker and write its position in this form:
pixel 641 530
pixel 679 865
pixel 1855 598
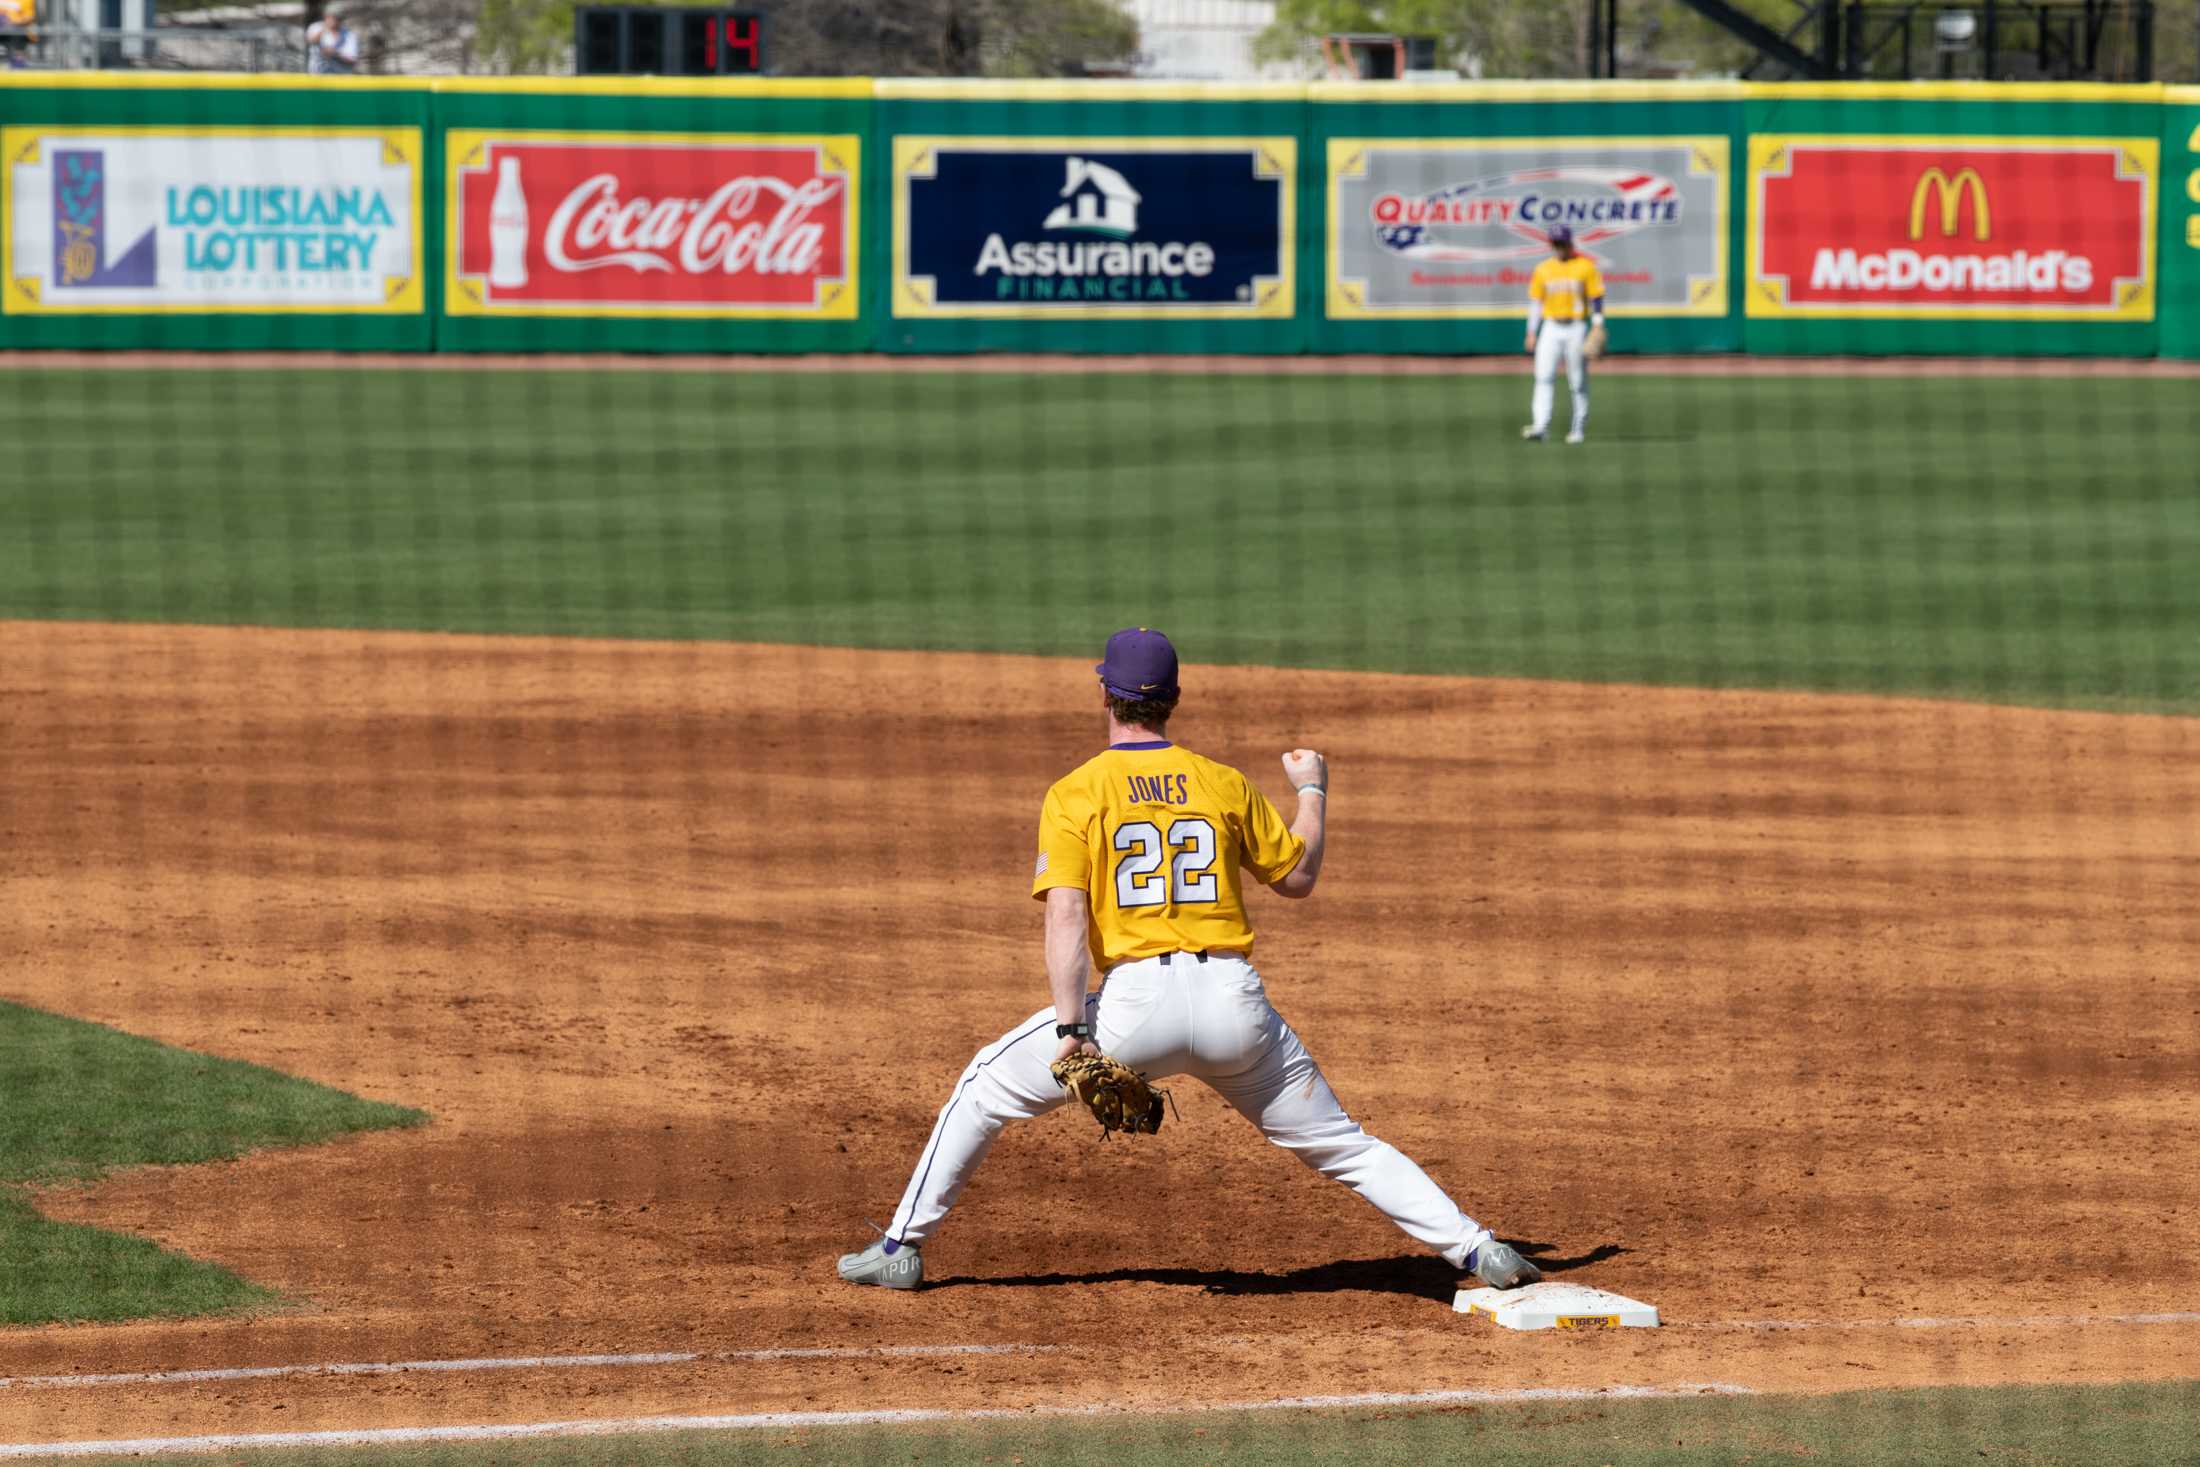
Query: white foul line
pixel 853 1352
pixel 1927 1321
pixel 788 1420
pixel 518 1362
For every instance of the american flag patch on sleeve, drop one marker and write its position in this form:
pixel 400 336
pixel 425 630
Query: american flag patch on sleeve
pixel 1042 867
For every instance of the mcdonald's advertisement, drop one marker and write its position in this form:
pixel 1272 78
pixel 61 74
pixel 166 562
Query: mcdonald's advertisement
pixel 2028 229
pixel 199 220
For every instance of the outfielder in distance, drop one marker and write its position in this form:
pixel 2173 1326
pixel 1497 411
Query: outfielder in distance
pixel 1565 319
pixel 1139 856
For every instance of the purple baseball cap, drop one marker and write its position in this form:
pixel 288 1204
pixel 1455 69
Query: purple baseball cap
pixel 1139 663
pixel 1561 234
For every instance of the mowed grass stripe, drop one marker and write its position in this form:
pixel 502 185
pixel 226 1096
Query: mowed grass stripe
pixel 2013 539
pixel 2124 1424
pixel 80 1099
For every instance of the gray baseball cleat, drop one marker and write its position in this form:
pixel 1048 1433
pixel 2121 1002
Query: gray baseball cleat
pixel 1501 1267
pixel 901 1269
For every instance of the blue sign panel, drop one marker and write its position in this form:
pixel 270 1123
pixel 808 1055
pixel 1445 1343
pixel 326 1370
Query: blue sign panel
pixel 1124 227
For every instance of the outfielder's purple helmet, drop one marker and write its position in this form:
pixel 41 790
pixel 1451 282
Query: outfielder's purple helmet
pixel 1561 234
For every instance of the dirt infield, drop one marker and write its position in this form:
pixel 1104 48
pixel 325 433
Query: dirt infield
pixel 1858 1034
pixel 1357 365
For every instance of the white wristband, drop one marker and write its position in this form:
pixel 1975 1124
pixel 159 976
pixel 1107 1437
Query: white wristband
pixel 1317 789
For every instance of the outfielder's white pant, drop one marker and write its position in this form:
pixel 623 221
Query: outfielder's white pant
pixel 1556 340
pixel 1181 1016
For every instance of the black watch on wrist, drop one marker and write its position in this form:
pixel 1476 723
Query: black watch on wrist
pixel 1073 1031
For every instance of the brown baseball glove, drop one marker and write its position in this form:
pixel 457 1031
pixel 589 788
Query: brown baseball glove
pixel 1594 346
pixel 1117 1095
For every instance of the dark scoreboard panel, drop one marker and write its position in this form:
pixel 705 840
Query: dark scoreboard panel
pixel 666 40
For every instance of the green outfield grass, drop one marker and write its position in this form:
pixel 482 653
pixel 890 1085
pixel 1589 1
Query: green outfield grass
pixel 2015 539
pixel 79 1099
pixel 2100 1426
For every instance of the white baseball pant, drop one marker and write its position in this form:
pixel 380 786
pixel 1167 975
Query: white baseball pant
pixel 1182 1016
pixel 1556 340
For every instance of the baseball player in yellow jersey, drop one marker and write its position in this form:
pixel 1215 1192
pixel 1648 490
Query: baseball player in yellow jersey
pixel 1142 851
pixel 1565 305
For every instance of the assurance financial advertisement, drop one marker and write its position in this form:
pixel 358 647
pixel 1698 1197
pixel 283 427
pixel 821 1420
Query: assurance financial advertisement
pixel 1130 228
pixel 1970 228
pixel 639 224
pixel 189 220
pixel 1448 228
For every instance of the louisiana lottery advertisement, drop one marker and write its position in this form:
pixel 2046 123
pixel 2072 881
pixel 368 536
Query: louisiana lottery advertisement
pixel 214 219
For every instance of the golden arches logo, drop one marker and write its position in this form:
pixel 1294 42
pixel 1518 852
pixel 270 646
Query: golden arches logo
pixel 1951 191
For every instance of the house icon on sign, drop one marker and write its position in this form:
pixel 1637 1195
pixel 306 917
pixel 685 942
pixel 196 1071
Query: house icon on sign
pixel 1097 200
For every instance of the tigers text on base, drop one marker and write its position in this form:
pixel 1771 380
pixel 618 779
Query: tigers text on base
pixel 1557 1306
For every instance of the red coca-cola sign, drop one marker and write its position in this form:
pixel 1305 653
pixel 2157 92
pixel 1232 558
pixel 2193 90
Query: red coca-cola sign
pixel 624 224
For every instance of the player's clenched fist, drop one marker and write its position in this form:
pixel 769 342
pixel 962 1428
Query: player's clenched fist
pixel 1304 767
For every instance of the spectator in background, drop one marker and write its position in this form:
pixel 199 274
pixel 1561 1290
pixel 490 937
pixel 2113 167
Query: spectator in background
pixel 332 48
pixel 16 19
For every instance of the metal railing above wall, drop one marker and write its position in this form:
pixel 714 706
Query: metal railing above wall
pixel 50 46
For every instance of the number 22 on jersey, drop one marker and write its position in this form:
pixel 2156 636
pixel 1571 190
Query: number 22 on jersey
pixel 1147 874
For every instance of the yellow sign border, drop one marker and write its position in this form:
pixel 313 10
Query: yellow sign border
pixel 1338 304
pixel 1279 304
pixel 1763 300
pixel 844 305
pixel 408 299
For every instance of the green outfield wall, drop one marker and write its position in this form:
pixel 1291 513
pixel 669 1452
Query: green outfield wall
pixel 843 215
pixel 2180 307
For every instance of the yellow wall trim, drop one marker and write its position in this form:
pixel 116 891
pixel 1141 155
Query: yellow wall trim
pixel 1524 91
pixel 946 89
pixel 733 88
pixel 1939 91
pixel 204 81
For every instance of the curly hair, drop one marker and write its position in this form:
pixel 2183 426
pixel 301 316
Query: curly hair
pixel 1150 713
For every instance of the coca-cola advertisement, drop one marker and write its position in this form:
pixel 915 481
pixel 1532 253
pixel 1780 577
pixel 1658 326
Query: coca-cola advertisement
pixel 630 224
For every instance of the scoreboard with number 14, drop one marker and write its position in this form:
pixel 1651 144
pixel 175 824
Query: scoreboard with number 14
pixel 666 40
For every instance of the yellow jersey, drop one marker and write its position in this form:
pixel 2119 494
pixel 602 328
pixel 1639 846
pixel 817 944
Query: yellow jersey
pixel 1155 835
pixel 1564 288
